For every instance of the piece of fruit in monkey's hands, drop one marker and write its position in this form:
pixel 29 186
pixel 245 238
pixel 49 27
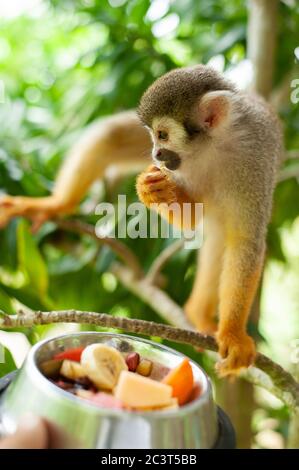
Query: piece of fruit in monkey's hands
pixel 155 187
pixel 237 351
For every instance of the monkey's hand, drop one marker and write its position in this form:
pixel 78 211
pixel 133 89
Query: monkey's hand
pixel 237 350
pixel 154 187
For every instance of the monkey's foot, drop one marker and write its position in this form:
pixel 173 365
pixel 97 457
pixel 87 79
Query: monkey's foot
pixel 38 210
pixel 201 319
pixel 154 187
pixel 10 207
pixel 237 350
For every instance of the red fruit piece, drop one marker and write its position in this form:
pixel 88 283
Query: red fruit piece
pixel 105 400
pixel 63 384
pixel 132 361
pixel 196 392
pixel 73 354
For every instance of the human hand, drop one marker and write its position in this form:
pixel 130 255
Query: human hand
pixel 32 433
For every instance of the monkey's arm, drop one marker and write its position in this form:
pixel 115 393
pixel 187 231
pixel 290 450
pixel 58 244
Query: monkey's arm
pixel 156 188
pixel 112 140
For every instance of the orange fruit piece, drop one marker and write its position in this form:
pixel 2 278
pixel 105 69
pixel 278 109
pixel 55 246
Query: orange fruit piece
pixel 181 380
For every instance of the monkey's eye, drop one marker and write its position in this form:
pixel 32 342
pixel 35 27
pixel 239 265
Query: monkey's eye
pixel 162 135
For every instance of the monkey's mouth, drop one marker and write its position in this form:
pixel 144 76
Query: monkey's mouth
pixel 173 164
pixel 168 159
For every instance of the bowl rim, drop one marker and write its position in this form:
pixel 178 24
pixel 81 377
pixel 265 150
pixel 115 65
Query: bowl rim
pixel 154 414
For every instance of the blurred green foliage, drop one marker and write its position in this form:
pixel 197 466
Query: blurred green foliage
pixel 69 62
pixel 7 361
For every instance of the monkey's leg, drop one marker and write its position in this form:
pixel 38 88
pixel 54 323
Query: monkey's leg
pixel 113 140
pixel 242 268
pixel 202 304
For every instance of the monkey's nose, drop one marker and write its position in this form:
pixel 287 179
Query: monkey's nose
pixel 164 155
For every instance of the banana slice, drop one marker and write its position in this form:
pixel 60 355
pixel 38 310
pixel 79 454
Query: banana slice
pixel 72 370
pixel 103 365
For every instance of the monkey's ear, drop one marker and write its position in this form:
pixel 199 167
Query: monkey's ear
pixel 213 109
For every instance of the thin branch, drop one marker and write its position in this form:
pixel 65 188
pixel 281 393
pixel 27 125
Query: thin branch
pixel 268 375
pixel 287 173
pixel 291 171
pixel 162 259
pixel 157 299
pixel 124 253
pixel 292 155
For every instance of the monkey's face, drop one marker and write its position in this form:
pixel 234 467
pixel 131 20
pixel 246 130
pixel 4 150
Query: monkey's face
pixel 167 137
pixel 176 145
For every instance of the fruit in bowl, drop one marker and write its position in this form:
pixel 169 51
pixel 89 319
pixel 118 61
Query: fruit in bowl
pixel 109 378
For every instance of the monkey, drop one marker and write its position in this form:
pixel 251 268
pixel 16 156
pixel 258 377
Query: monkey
pixel 210 143
pixel 219 146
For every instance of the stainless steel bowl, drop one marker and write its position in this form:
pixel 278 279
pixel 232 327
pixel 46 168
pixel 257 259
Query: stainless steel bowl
pixel 84 425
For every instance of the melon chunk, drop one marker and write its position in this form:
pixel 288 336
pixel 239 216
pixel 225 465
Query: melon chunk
pixel 172 405
pixel 136 391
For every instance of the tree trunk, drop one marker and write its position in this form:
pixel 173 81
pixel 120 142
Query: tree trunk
pixel 237 400
pixel 261 43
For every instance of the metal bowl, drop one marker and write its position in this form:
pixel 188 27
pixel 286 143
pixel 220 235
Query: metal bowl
pixel 84 425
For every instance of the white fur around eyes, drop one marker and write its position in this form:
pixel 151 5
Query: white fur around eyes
pixel 176 133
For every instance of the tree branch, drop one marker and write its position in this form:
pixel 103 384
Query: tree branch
pixel 157 299
pixel 292 155
pixel 289 172
pixel 161 260
pixel 268 375
pixel 127 255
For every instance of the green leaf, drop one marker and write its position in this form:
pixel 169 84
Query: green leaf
pixel 31 261
pixel 6 303
pixel 7 364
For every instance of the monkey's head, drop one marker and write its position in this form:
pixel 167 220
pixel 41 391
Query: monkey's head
pixel 183 110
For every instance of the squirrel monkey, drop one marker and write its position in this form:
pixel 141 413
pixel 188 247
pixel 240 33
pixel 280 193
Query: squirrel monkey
pixel 215 145
pixel 211 144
